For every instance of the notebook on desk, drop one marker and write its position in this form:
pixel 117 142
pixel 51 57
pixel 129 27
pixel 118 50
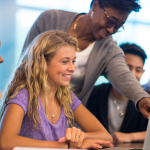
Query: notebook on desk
pixel 146 145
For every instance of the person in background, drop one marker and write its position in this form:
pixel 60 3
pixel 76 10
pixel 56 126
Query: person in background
pixel 97 53
pixel 116 112
pixel 1 59
pixel 146 87
pixel 39 108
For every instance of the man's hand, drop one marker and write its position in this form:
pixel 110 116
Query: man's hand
pixel 144 105
pixel 119 137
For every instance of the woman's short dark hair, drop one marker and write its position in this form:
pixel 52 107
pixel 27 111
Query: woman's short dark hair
pixel 134 49
pixel 124 5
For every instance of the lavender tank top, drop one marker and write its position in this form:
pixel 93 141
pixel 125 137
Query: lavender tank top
pixel 46 130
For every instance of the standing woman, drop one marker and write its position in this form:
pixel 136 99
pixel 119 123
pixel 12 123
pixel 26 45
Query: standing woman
pixel 97 53
pixel 39 108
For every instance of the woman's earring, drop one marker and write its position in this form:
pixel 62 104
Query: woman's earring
pixel 92 14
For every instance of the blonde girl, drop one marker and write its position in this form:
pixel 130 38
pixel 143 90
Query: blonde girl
pixel 39 108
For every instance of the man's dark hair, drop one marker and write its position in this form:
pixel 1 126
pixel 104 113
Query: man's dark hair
pixel 134 49
pixel 124 5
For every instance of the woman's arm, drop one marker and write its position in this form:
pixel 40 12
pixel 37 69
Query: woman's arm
pixel 10 129
pixel 90 124
pixel 95 135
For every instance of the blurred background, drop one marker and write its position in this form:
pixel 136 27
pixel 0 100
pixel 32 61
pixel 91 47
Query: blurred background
pixel 17 16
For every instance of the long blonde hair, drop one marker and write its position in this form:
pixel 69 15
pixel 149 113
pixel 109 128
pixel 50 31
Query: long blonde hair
pixel 32 74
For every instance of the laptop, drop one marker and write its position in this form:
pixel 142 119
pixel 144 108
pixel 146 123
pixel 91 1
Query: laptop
pixel 146 145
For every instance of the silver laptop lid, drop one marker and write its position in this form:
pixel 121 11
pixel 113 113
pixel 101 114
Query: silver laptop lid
pixel 147 138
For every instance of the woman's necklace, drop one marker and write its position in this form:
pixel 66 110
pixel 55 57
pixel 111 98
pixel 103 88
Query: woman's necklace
pixel 75 31
pixel 54 108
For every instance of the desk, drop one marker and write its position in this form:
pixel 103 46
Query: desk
pixel 126 146
pixel 132 145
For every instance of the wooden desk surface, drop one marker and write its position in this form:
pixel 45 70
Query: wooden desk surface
pixel 125 146
pixel 133 145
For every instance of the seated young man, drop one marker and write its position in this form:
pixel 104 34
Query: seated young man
pixel 117 113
